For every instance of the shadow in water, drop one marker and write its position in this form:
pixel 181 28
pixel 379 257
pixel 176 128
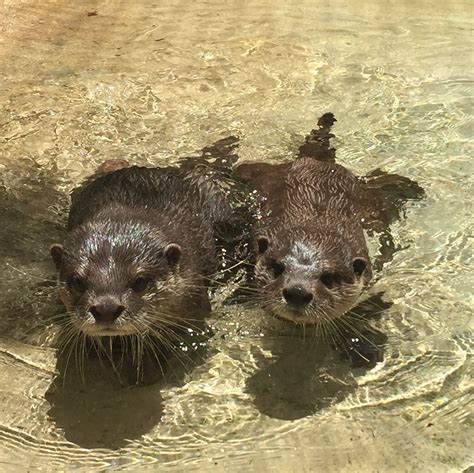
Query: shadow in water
pixel 32 214
pixel 98 404
pixel 101 413
pixel 307 374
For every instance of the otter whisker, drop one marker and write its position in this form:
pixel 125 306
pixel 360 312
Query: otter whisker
pixel 71 341
pixel 68 330
pixel 171 319
pixel 138 354
pixel 29 275
pixel 329 326
pixel 357 332
pixel 155 350
pixel 323 328
pixel 165 343
pixel 170 346
pixel 161 321
pixel 82 355
pixel 165 333
pixel 170 334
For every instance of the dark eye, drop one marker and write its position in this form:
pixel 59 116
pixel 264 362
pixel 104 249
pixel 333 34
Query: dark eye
pixel 330 279
pixel 140 283
pixel 278 268
pixel 76 284
pixel 359 265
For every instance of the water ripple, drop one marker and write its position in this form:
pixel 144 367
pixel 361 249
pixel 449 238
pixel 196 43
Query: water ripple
pixel 151 82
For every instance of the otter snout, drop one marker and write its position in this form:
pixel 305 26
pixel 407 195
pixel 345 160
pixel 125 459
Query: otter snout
pixel 297 296
pixel 106 312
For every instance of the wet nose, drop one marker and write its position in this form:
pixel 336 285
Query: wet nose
pixel 106 313
pixel 297 296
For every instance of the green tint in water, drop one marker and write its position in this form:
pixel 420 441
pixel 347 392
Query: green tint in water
pixel 151 82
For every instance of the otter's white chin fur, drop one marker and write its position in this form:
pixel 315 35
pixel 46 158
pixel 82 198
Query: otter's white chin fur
pixel 111 330
pixel 298 317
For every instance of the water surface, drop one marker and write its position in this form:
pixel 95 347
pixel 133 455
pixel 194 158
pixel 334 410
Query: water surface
pixel 152 81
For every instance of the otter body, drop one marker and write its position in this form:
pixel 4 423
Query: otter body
pixel 310 254
pixel 140 251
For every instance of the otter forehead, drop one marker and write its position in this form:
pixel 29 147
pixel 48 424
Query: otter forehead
pixel 302 254
pixel 317 248
pixel 315 255
pixel 111 246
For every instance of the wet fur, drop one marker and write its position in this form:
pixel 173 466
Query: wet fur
pixel 312 221
pixel 120 225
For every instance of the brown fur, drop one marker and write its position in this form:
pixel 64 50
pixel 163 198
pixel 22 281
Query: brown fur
pixel 141 250
pixel 311 258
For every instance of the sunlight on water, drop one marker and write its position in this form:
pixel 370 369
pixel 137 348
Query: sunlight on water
pixel 88 81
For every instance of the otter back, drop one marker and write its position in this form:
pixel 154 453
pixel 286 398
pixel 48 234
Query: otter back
pixel 146 188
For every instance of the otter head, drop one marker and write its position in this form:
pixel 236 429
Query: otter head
pixel 310 280
pixel 118 279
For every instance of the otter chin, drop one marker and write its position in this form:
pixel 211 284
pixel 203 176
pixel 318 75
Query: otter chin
pixel 308 281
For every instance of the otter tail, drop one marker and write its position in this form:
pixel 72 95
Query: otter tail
pixel 316 144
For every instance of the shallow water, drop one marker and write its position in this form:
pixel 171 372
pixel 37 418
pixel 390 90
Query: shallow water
pixel 151 82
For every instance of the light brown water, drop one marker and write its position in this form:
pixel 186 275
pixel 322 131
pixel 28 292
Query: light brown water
pixel 152 81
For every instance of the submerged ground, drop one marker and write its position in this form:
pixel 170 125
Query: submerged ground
pixel 152 81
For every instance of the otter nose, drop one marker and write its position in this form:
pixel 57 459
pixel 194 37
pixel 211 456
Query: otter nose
pixel 106 313
pixel 297 296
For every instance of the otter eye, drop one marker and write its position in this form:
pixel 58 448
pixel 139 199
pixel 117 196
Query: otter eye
pixel 278 268
pixel 262 243
pixel 140 283
pixel 76 284
pixel 330 279
pixel 359 265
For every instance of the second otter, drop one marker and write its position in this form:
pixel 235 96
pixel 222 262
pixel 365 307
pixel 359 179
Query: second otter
pixel 311 257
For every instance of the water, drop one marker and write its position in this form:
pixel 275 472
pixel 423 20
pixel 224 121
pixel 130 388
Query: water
pixel 150 82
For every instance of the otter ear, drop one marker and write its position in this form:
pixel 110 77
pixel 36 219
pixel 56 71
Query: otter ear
pixel 262 244
pixel 359 265
pixel 173 254
pixel 57 252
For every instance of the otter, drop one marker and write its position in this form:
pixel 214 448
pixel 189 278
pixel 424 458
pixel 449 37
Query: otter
pixel 141 251
pixel 311 261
